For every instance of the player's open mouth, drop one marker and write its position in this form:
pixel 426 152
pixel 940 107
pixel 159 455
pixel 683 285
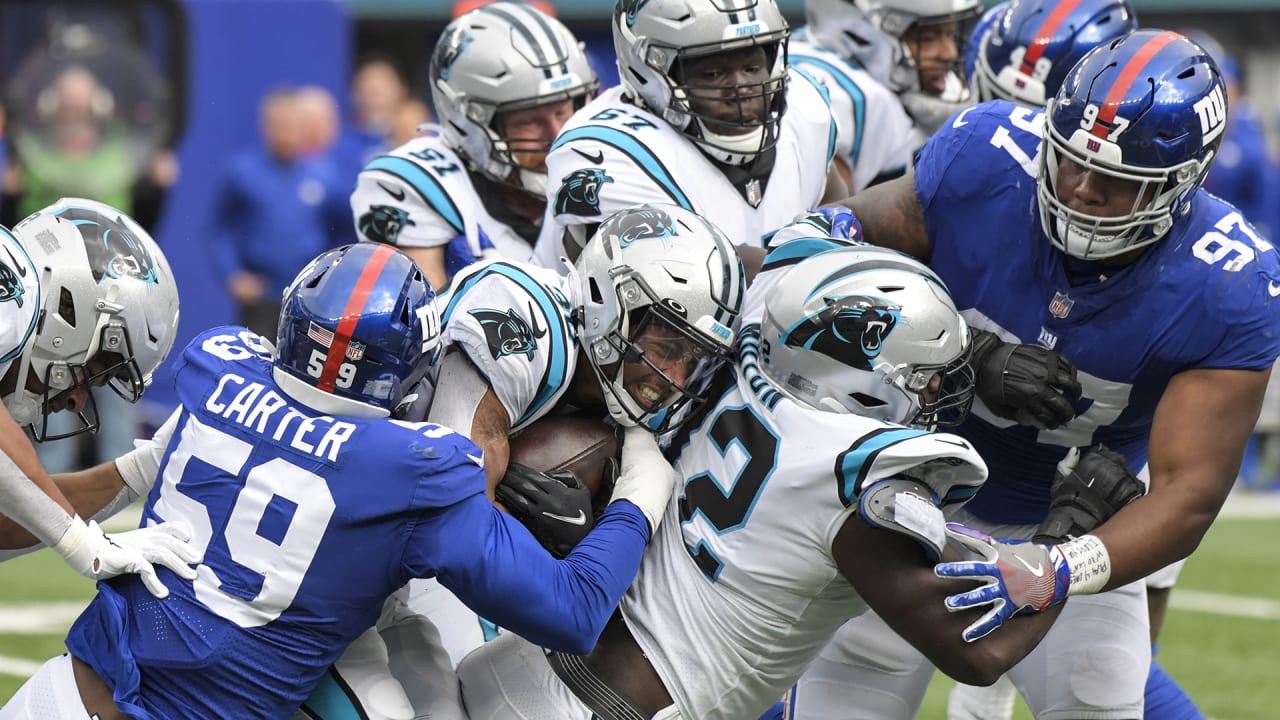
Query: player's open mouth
pixel 648 396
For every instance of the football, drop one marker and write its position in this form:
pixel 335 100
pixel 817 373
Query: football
pixel 566 442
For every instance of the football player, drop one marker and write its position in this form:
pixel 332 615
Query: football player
pixel 87 300
pixel 811 490
pixel 912 47
pixel 505 78
pixel 708 116
pixel 1121 266
pixel 311 505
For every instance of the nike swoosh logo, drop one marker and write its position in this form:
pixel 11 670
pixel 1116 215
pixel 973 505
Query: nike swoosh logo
pixel 480 461
pixel 1038 570
pixel 1273 288
pixel 957 443
pixel 397 193
pixel 581 519
pixel 597 159
pixel 960 121
pixel 22 269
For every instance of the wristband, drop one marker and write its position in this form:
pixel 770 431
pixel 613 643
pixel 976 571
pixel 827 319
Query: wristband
pixel 1089 563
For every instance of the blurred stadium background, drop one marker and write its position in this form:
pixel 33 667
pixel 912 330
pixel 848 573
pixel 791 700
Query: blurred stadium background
pixel 206 63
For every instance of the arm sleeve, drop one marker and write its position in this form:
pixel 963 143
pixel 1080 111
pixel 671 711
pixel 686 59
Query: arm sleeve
pixel 492 563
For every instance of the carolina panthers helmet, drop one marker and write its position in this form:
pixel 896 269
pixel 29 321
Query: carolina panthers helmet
pixel 500 57
pixel 1024 56
pixel 665 270
pixel 871 32
pixel 1149 108
pixel 108 311
pixel 358 329
pixel 654 38
pixel 865 330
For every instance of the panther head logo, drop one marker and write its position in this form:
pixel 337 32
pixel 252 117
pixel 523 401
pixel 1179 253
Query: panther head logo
pixel 11 289
pixel 383 223
pixel 629 8
pixel 851 329
pixel 580 193
pixel 509 334
pixel 642 224
pixel 449 49
pixel 114 252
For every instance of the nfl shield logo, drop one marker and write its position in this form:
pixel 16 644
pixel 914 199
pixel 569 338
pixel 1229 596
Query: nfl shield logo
pixel 1060 306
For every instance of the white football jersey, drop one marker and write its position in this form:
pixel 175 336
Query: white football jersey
pixel 20 299
pixel 512 321
pixel 739 590
pixel 421 195
pixel 874 135
pixel 613 154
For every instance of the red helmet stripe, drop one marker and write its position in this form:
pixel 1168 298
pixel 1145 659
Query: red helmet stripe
pixel 351 315
pixel 1129 73
pixel 1050 26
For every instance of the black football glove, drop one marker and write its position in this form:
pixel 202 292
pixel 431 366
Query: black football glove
pixel 1087 491
pixel 1028 384
pixel 555 506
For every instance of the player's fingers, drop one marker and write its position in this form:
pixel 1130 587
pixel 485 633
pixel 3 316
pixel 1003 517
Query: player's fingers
pixel 966 570
pixel 988 594
pixel 984 625
pixel 149 578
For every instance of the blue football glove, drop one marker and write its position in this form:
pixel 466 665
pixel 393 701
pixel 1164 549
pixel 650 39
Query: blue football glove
pixel 837 222
pixel 1017 576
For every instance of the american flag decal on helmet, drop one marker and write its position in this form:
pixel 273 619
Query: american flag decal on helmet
pixel 355 350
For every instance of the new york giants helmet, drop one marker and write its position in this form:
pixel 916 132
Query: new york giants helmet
pixel 108 312
pixel 653 39
pixel 1026 53
pixel 358 329
pixel 866 330
pixel 1149 108
pixel 657 270
pixel 871 32
pixel 501 57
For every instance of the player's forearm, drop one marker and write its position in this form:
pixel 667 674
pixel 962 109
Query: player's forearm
pixel 90 492
pixel 558 604
pixel 1156 530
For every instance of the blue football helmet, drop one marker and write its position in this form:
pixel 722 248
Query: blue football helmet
pixel 1149 108
pixel 1023 52
pixel 358 329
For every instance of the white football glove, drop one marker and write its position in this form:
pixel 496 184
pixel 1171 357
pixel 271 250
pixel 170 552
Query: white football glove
pixel 645 478
pixel 98 556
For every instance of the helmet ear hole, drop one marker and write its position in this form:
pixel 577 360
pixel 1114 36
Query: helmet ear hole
pixel 66 306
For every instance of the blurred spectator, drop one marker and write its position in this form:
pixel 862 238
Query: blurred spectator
pixel 320 120
pixel 461 7
pixel 377 91
pixel 273 213
pixel 411 114
pixel 80 148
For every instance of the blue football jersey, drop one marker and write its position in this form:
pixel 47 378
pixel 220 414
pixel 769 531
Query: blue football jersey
pixel 1202 297
pixel 308 522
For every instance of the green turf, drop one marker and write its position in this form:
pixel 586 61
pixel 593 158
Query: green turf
pixel 1229 665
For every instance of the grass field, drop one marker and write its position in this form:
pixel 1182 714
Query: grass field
pixel 1220 640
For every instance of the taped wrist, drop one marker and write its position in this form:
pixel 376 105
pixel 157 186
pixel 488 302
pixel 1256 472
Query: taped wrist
pixel 1089 563
pixel 78 547
pixel 906 507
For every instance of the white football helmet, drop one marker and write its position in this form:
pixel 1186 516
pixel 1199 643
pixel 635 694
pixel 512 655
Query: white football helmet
pixel 109 311
pixel 866 330
pixel 500 57
pixel 653 38
pixel 871 32
pixel 657 271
